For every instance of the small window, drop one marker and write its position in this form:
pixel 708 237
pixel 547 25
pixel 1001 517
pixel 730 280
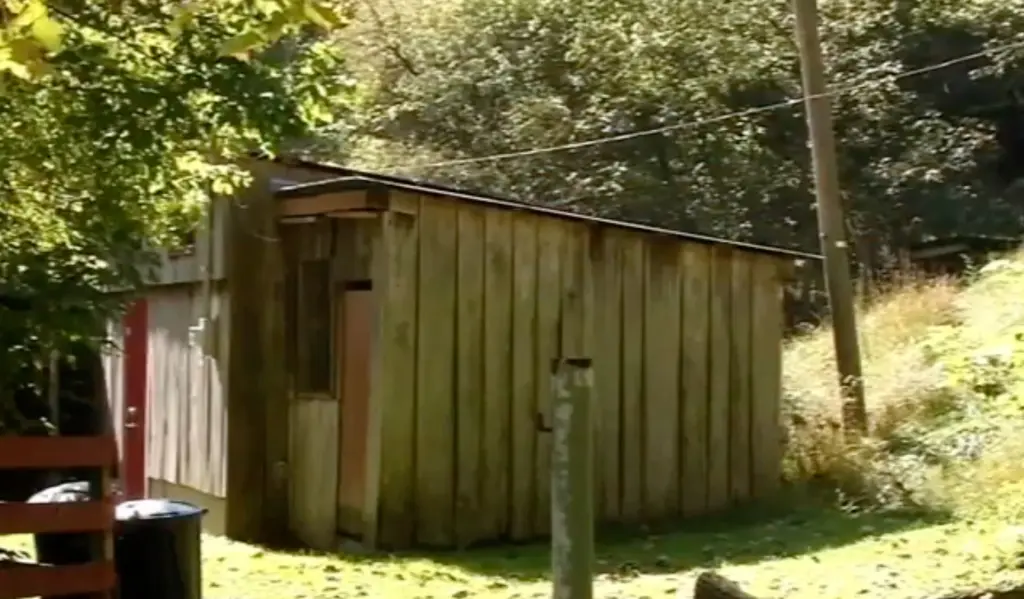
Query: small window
pixel 314 372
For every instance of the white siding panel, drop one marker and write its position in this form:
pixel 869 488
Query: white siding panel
pixel 113 372
pixel 187 421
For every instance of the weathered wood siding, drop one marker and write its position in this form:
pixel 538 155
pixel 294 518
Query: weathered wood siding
pixel 113 371
pixel 186 414
pixel 313 471
pixel 685 339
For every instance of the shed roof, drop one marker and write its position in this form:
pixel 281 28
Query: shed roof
pixel 355 180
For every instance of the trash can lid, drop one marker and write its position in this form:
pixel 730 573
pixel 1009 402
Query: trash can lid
pixel 151 509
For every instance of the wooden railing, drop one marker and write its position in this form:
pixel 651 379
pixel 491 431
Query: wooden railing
pixel 96 517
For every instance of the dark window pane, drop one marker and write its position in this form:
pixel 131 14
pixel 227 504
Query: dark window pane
pixel 315 326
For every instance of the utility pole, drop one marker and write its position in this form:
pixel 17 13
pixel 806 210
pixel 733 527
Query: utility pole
pixel 572 475
pixel 831 225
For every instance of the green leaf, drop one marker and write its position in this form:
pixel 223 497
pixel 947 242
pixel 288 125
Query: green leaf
pixel 15 68
pixel 33 11
pixel 322 15
pixel 183 18
pixel 48 32
pixel 277 26
pixel 240 45
pixel 24 51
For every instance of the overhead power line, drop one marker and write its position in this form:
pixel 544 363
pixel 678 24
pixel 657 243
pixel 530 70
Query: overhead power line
pixel 835 91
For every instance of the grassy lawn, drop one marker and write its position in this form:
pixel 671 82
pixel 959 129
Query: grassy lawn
pixel 816 554
pixel 944 369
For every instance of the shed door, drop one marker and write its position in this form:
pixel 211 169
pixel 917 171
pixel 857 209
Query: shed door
pixel 313 415
pixel 354 318
pixel 133 419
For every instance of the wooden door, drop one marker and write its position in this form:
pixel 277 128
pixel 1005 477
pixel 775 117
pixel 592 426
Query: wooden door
pixel 355 311
pixel 136 345
pixel 313 412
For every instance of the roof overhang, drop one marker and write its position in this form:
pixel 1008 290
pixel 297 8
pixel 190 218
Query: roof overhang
pixel 306 202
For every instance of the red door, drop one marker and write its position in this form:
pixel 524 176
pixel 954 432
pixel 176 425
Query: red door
pixel 355 322
pixel 133 458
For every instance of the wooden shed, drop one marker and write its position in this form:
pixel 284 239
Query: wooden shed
pixel 346 355
pixel 405 361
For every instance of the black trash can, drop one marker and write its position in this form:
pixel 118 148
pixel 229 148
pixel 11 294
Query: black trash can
pixel 63 548
pixel 157 549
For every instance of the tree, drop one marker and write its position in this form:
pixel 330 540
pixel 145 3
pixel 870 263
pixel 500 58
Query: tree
pixel 919 155
pixel 120 122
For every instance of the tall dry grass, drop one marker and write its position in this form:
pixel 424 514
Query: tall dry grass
pixel 896 367
pixel 915 342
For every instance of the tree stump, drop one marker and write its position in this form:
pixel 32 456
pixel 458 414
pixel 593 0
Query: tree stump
pixel 710 585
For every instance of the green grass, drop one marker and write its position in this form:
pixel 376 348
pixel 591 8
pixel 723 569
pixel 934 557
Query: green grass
pixel 814 554
pixel 926 506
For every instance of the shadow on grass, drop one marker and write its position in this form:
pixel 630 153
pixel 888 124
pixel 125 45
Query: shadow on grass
pixel 793 526
pixel 744 538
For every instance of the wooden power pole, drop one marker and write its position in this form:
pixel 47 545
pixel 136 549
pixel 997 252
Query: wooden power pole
pixel 572 475
pixel 831 225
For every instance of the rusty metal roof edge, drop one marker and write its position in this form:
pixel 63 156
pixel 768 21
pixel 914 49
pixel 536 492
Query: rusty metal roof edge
pixel 354 179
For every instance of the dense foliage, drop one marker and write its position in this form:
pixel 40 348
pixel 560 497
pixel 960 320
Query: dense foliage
pixel 119 123
pixel 122 118
pixel 920 155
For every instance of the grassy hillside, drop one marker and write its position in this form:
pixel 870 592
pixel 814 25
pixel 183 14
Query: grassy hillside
pixel 944 370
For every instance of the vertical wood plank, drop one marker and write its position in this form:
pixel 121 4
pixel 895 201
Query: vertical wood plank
pixel 607 363
pixel 591 241
pixel 766 376
pixel 718 395
pixel 661 379
pixel 469 406
pixel 572 250
pixel 498 387
pixel 397 400
pixel 739 379
pixel 252 221
pixel 220 407
pixel 175 375
pixel 156 392
pixel 194 411
pixel 313 439
pixel 179 316
pixel 524 376
pixel 356 319
pixel 550 242
pixel 275 389
pixel 218 413
pixel 589 349
pixel 695 361
pixel 435 410
pixel 372 254
pixel 632 349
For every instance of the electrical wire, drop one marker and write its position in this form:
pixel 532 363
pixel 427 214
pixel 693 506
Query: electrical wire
pixel 836 91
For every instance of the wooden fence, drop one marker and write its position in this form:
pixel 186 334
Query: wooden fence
pixel 31 579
